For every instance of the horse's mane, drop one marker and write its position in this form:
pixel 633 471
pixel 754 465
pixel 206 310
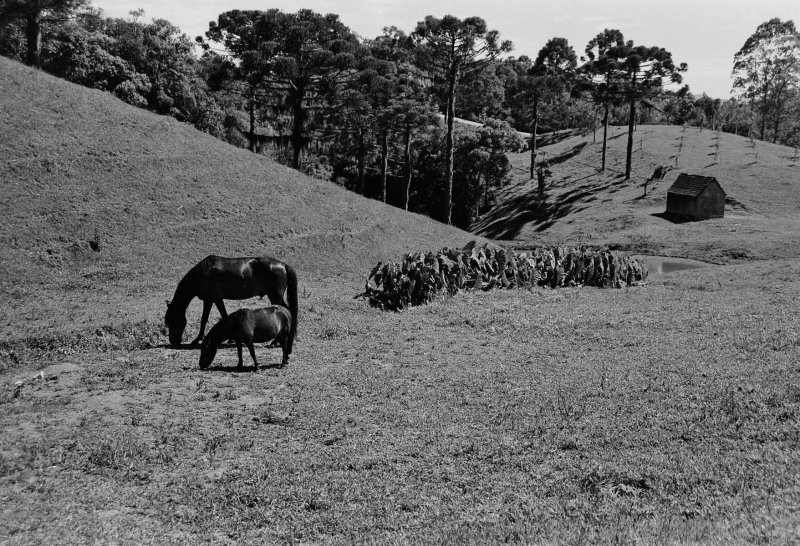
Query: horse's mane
pixel 184 292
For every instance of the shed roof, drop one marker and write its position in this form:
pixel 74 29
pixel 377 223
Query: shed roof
pixel 691 184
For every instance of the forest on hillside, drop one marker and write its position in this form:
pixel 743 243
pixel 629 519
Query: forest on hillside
pixel 379 115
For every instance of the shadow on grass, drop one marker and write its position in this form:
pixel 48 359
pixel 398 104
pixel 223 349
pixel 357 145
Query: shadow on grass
pixel 669 217
pixel 243 369
pixel 556 137
pixel 506 220
pixel 181 347
pixel 568 154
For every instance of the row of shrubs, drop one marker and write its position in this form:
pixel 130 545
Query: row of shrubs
pixel 420 277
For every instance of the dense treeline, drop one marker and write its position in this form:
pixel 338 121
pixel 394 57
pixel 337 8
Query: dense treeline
pixel 380 115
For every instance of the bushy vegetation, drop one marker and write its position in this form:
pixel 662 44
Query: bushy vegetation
pixel 422 276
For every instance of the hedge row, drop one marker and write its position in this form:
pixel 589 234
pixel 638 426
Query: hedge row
pixel 419 277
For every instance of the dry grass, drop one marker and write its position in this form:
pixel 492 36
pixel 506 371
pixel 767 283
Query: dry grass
pixel 666 413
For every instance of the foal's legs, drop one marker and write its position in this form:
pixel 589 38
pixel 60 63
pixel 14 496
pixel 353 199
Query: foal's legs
pixel 252 353
pixel 285 360
pixel 203 321
pixel 239 350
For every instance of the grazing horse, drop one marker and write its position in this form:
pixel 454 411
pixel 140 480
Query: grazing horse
pixel 248 326
pixel 215 279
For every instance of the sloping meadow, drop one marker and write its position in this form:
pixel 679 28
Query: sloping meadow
pixel 420 277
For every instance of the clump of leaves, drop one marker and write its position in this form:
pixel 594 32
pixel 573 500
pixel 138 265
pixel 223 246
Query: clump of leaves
pixel 420 276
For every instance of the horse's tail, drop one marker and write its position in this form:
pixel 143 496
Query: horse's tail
pixel 291 287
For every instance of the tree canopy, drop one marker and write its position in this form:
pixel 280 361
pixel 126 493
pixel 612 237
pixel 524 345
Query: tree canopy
pixel 766 71
pixel 300 56
pixel 33 13
pixel 450 48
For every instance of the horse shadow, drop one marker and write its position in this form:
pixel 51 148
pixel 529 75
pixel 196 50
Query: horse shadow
pixel 234 369
pixel 181 347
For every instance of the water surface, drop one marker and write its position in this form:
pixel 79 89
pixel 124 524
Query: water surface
pixel 664 265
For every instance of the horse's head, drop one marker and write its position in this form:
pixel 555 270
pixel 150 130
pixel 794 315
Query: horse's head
pixel 175 322
pixel 208 351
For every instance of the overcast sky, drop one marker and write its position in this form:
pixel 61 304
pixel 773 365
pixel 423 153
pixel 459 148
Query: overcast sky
pixel 705 34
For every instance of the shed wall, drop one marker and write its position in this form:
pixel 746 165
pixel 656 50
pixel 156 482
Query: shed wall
pixel 709 204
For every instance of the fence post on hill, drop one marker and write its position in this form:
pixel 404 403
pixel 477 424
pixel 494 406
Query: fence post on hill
pixel 680 149
pixel 541 175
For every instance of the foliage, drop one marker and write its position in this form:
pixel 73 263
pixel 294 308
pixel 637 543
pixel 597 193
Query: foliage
pixel 34 13
pixel 450 48
pixel 481 164
pixel 766 71
pixel 420 277
pixel 546 83
pixel 618 70
pixel 481 94
pixel 292 62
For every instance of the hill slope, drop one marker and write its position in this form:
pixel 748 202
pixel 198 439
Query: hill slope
pixel 762 182
pixel 108 202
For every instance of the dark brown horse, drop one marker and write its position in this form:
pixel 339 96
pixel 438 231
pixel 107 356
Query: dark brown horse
pixel 248 326
pixel 215 279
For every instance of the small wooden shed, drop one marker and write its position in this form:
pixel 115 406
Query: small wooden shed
pixel 695 197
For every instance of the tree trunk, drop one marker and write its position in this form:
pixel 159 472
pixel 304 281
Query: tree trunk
pixel 361 154
pixel 631 123
pixel 534 129
pixel 629 150
pixel 485 190
pixel 297 126
pixel 407 161
pixel 33 33
pixel 384 163
pixel 448 146
pixel 251 107
pixel 778 103
pixel 605 137
pixel 764 107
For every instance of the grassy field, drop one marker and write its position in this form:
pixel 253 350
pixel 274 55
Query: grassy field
pixel 668 413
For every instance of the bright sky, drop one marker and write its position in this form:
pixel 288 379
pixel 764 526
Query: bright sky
pixel 705 34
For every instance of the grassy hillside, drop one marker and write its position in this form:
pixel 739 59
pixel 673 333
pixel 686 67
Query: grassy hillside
pixel 79 168
pixel 762 182
pixel 665 413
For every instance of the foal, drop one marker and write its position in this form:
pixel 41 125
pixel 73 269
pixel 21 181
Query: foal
pixel 248 326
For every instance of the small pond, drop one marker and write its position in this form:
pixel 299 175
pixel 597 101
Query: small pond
pixel 663 265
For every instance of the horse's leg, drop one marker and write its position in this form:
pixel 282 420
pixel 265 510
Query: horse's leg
pixel 239 350
pixel 221 307
pixel 285 360
pixel 276 298
pixel 253 354
pixel 203 321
